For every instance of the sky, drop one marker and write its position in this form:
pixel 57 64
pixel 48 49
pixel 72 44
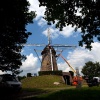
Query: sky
pixel 77 57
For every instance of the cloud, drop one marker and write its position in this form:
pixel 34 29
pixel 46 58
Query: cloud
pixel 63 66
pixel 53 32
pixel 34 6
pixel 30 65
pixel 1 72
pixel 67 31
pixel 80 56
pixel 42 22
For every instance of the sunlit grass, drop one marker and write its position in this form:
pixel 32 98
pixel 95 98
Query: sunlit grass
pixel 46 81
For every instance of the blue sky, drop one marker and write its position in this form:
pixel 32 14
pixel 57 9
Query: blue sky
pixel 77 57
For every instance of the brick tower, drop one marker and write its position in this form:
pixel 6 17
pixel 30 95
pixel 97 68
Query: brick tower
pixel 48 59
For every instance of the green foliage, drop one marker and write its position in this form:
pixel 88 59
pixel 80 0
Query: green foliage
pixel 14 16
pixel 91 69
pixel 65 13
pixel 59 72
pixel 21 77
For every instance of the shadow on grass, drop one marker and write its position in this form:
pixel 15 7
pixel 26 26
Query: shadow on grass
pixel 8 94
pixel 71 94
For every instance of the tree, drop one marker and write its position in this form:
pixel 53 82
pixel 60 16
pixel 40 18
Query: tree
pixel 91 69
pixel 65 13
pixel 14 16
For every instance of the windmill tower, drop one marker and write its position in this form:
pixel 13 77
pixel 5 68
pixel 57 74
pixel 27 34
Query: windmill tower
pixel 48 57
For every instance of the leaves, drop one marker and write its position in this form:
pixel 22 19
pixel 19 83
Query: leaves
pixel 14 16
pixel 91 69
pixel 64 11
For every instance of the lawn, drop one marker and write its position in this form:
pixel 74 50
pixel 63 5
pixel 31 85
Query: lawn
pixel 44 89
pixel 85 93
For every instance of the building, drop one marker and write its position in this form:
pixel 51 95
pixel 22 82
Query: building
pixel 48 59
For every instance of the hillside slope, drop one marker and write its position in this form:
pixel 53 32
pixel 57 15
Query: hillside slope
pixel 45 81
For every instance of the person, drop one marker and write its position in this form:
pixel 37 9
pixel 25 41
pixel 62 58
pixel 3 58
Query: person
pixel 79 82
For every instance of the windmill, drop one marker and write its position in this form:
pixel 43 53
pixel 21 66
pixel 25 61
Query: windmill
pixel 49 61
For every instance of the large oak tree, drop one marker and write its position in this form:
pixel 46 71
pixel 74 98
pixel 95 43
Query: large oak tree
pixel 14 16
pixel 65 13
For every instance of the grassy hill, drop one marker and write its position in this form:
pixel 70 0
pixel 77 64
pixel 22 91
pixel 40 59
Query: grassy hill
pixel 45 81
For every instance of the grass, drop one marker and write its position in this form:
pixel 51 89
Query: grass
pixel 46 81
pixel 84 93
pixel 43 85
